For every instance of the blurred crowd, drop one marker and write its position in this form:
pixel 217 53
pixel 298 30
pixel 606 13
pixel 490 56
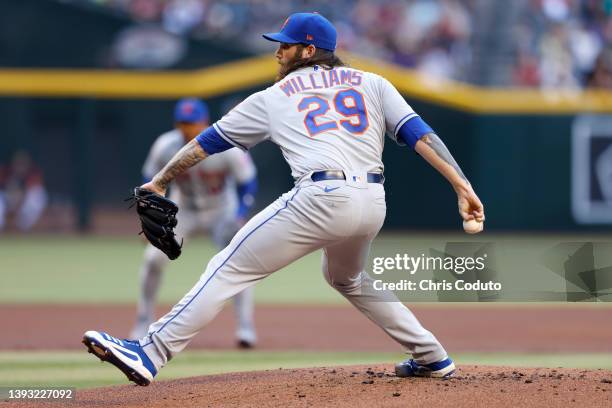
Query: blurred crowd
pixel 564 43
pixel 552 43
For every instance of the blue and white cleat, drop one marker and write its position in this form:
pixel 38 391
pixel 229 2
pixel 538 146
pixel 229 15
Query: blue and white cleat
pixel 126 355
pixel 410 368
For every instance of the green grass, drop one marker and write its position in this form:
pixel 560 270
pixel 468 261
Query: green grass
pixel 78 369
pixel 583 360
pixel 105 270
pixel 93 269
pixel 43 269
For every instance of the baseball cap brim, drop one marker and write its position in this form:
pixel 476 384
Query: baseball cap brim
pixel 280 37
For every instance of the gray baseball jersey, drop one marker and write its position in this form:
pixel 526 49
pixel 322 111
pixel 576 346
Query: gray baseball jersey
pixel 321 119
pixel 207 186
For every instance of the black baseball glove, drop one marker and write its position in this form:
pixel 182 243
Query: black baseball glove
pixel 158 219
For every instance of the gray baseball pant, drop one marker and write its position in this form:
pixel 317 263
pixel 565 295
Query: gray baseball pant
pixel 343 222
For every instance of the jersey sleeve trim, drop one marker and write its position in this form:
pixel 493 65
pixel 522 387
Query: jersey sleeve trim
pixel 211 141
pixel 412 130
pixel 402 121
pixel 227 138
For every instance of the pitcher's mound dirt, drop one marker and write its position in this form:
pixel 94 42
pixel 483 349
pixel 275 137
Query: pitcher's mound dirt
pixel 365 386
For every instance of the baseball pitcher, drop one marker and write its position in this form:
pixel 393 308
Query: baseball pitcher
pixel 329 121
pixel 214 196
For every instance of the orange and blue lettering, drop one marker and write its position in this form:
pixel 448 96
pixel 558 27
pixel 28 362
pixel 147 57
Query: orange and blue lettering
pixel 314 84
pixel 287 88
pixel 333 78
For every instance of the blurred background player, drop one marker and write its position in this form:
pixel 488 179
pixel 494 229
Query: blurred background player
pixel 214 197
pixel 23 197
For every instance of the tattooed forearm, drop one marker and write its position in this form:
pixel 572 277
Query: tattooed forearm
pixel 436 144
pixel 189 155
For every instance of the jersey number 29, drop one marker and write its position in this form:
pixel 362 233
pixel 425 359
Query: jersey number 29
pixel 349 103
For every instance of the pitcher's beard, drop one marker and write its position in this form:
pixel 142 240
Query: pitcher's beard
pixel 285 69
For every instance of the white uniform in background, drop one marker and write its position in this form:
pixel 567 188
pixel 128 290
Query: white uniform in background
pixel 207 200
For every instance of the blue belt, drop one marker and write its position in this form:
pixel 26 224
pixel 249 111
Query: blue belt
pixel 339 175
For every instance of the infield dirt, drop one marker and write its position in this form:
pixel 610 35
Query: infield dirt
pixel 535 329
pixel 527 328
pixel 361 386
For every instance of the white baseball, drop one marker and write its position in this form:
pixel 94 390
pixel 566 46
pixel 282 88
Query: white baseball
pixel 473 226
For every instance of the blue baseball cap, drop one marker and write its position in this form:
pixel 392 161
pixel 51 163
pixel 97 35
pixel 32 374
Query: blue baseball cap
pixel 306 28
pixel 190 110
